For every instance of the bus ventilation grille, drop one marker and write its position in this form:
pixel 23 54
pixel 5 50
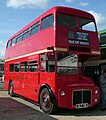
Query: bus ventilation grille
pixel 81 98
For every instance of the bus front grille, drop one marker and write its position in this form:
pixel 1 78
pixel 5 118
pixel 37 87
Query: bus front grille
pixel 81 98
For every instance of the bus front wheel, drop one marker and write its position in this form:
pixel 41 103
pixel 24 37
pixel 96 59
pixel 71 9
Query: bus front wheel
pixel 45 102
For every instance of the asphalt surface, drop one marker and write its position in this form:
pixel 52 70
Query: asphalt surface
pixel 19 109
pixel 16 108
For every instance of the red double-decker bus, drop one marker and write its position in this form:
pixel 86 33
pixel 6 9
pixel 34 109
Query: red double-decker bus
pixel 44 60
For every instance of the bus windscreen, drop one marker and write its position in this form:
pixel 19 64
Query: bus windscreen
pixel 69 21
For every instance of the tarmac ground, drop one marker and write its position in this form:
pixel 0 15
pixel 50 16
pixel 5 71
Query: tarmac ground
pixel 16 108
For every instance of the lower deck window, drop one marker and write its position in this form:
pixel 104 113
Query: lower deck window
pixel 68 64
pixel 33 66
pixel 11 67
pixel 17 67
pixel 24 67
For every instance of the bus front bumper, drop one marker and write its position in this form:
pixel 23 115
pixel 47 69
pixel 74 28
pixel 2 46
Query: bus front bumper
pixel 76 98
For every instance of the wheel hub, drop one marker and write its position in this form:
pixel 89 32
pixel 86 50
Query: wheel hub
pixel 46 101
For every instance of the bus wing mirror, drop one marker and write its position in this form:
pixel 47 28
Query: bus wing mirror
pixel 50 48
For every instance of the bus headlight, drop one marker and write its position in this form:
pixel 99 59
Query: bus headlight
pixel 96 91
pixel 96 100
pixel 62 93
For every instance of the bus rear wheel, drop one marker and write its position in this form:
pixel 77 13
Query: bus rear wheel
pixel 45 102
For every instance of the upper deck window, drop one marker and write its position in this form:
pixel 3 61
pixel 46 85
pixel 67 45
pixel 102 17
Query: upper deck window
pixel 65 20
pixel 47 22
pixel 26 34
pixel 35 28
pixel 8 44
pixel 19 38
pixel 86 24
pixel 13 41
pixel 103 39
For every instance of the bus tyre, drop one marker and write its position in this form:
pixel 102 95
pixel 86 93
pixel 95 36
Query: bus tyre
pixel 10 91
pixel 45 102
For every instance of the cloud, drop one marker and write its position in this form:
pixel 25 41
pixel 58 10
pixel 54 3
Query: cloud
pixel 2 54
pixel 84 4
pixel 27 3
pixel 2 43
pixel 100 19
pixel 67 1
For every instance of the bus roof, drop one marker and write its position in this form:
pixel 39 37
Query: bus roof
pixel 61 9
pixel 72 11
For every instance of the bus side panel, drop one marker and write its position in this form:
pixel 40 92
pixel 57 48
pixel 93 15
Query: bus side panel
pixel 6 78
pixel 49 79
pixel 22 84
pixel 47 38
pixel 32 86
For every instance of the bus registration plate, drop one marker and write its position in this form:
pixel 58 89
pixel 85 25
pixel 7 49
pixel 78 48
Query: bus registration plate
pixel 82 105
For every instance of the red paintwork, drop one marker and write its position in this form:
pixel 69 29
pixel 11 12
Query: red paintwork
pixel 28 84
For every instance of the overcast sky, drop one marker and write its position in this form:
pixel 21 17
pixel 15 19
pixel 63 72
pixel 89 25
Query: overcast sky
pixel 15 14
